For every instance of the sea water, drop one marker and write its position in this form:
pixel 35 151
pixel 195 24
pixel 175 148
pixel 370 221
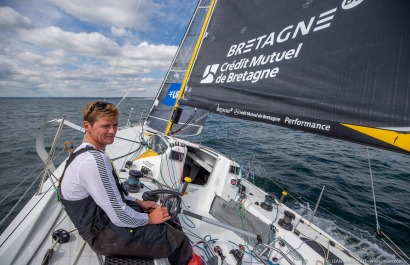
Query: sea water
pixel 272 157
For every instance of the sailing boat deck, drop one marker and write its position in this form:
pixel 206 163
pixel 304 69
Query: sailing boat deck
pixel 44 214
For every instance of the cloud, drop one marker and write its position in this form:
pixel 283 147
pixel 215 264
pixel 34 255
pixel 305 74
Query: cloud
pixel 121 32
pixel 117 13
pixel 158 55
pixel 11 20
pixel 93 44
pixel 6 71
pixel 84 48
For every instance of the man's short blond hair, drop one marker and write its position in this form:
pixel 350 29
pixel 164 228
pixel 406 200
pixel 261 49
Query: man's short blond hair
pixel 97 109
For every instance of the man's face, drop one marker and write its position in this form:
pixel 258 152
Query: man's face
pixel 102 132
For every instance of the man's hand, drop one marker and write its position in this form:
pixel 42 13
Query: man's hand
pixel 158 215
pixel 147 206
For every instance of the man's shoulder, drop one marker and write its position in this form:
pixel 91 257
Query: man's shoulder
pixel 84 146
pixel 86 152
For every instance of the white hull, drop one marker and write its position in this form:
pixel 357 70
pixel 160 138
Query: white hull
pixel 28 237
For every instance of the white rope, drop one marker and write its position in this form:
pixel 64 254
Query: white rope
pixel 126 94
pixel 395 252
pixel 379 232
pixel 20 199
pixel 12 192
pixel 397 247
pixel 374 197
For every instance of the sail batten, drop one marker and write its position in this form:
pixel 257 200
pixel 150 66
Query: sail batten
pixel 313 66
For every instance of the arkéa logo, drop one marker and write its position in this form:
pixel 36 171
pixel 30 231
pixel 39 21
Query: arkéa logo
pixel 210 72
pixel 347 4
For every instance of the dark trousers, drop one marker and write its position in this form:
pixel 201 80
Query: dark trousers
pixel 150 241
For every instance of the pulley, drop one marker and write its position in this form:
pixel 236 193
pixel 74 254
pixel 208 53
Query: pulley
pixel 61 236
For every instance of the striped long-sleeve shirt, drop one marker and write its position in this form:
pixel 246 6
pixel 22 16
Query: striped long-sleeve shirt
pixel 90 174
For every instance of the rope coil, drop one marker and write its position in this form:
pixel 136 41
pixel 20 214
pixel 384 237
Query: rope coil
pixel 69 146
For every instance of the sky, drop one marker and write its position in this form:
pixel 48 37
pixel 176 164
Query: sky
pixel 88 48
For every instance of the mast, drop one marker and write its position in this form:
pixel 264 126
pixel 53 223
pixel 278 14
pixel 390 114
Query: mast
pixel 191 62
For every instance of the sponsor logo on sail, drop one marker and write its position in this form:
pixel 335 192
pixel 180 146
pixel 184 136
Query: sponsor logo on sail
pixel 290 32
pixel 267 65
pixel 172 94
pixel 256 115
pixel 301 28
pixel 242 70
pixel 347 4
pixel 224 111
pixel 307 124
pixel 210 72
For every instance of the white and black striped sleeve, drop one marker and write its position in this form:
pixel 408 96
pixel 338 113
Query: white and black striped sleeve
pixel 96 175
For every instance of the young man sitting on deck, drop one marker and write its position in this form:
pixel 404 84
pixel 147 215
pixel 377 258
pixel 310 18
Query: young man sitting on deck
pixel 111 222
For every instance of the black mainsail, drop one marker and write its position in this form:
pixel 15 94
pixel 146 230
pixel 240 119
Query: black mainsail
pixel 338 68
